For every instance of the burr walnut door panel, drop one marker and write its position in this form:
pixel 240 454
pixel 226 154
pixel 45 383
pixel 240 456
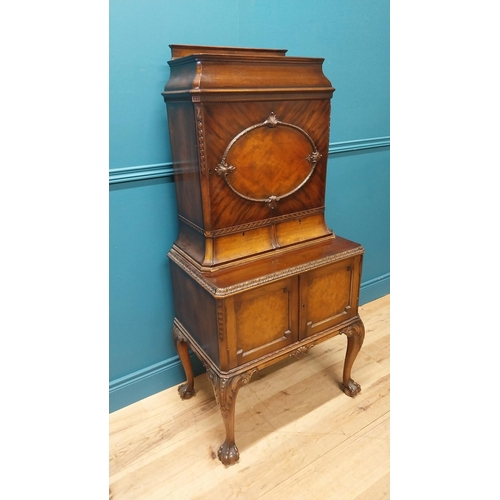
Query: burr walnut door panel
pixel 262 320
pixel 329 295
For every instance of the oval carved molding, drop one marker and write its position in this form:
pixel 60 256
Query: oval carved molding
pixel 227 171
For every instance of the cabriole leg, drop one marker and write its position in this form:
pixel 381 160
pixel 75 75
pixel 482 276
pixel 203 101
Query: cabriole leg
pixel 226 389
pixel 355 335
pixel 186 390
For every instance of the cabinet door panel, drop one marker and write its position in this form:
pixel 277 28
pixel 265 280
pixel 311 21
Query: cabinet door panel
pixel 329 296
pixel 263 320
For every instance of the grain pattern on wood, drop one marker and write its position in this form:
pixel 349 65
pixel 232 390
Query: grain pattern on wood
pixel 299 436
pixel 251 131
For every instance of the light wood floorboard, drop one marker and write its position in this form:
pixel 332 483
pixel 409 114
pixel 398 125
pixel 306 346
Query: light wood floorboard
pixel 299 435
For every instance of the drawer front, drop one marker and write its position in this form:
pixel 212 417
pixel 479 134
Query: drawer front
pixel 262 320
pixel 329 295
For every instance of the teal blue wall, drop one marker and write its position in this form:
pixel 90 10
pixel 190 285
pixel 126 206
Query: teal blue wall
pixel 353 37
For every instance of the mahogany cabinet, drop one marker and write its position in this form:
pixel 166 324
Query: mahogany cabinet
pixel 257 275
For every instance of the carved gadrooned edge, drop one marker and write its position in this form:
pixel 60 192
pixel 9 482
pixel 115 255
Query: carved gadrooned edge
pixel 223 292
pixel 301 351
pixel 253 225
pixel 223 169
pixel 226 388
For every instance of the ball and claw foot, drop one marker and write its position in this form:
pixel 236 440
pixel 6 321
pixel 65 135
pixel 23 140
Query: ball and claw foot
pixel 352 388
pixel 228 454
pixel 184 391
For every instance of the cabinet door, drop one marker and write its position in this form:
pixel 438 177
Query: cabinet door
pixel 262 320
pixel 329 295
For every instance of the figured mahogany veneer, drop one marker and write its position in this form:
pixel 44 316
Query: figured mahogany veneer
pixel 257 274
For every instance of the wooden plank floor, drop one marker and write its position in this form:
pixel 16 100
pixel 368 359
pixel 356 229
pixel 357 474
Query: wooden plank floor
pixel 298 435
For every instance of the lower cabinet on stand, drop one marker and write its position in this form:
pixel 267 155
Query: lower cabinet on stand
pixel 242 318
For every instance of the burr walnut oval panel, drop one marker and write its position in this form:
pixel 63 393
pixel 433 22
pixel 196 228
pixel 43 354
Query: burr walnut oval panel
pixel 268 161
